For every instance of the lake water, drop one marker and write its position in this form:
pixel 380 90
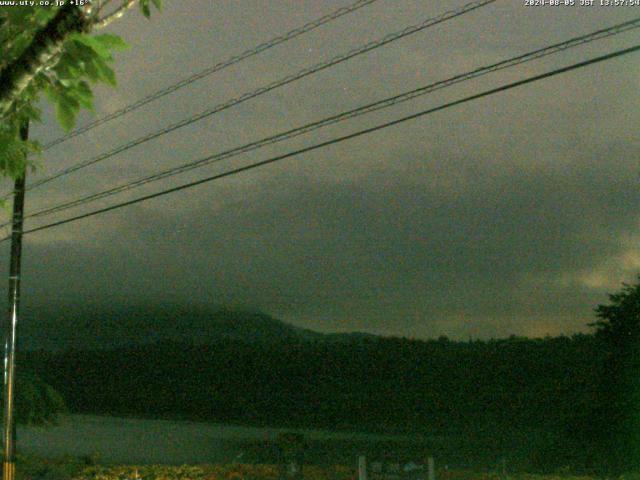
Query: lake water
pixel 143 441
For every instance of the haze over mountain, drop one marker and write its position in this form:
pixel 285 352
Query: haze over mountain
pixel 87 327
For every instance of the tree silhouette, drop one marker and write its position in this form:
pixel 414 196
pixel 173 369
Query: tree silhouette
pixel 616 410
pixel 619 320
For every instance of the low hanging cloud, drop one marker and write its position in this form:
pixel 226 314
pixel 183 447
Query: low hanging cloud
pixel 515 214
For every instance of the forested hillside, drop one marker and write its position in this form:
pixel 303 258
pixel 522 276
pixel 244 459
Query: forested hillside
pixel 543 403
pixel 516 397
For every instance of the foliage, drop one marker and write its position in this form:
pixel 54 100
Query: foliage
pixel 614 412
pixel 502 397
pixel 68 468
pixel 37 403
pixel 31 467
pixel 270 472
pixel 471 475
pixel 543 404
pixel 86 59
pixel 146 8
pixel 66 81
pixel 619 321
pixel 210 472
pixel 14 152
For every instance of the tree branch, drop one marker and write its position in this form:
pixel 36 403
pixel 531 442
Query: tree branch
pixel 46 45
pixel 116 14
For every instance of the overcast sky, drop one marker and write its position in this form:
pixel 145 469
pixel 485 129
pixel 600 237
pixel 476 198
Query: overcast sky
pixel 514 214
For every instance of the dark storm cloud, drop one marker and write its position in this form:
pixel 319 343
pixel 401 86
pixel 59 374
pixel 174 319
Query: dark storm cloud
pixel 399 255
pixel 514 214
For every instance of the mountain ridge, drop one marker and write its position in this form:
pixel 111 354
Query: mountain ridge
pixel 88 327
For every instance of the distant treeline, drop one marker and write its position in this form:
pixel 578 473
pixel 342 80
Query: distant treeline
pixel 545 400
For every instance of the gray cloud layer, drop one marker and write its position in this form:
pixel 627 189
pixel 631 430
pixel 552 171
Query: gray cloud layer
pixel 514 214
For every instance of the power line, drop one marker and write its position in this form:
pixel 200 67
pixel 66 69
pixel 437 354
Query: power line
pixel 307 27
pixel 270 87
pixel 359 133
pixel 378 105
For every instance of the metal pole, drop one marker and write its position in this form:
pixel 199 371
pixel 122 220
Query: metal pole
pixel 9 433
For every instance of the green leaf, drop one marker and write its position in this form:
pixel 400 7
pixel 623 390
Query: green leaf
pixel 67 108
pixel 31 112
pixel 95 65
pixel 13 152
pixel 82 92
pixel 20 16
pixel 51 93
pixel 87 59
pixel 158 4
pixel 111 42
pixel 144 7
pixel 18 44
pixel 92 71
pixel 94 45
pixel 105 72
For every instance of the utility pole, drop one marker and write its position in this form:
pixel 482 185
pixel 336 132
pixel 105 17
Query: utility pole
pixel 9 428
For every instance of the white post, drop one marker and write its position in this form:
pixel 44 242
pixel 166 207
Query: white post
pixel 362 467
pixel 431 475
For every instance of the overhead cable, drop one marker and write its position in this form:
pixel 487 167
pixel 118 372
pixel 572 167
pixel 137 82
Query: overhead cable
pixel 307 27
pixel 268 88
pixel 334 141
pixel 371 107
